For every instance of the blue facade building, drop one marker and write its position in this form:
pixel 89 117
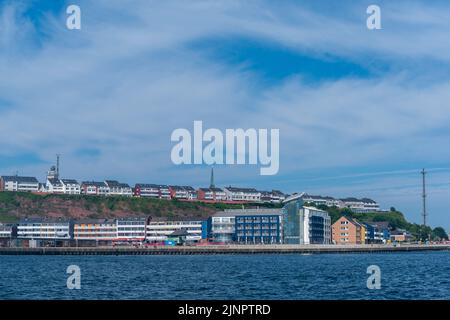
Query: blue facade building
pixel 258 229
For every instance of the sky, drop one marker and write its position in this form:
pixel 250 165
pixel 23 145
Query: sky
pixel 360 111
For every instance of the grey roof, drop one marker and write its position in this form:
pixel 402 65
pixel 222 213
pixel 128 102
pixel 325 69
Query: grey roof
pixel 116 184
pixel 20 179
pixel 94 183
pixel 239 189
pixel 69 181
pixel 55 181
pixel 352 199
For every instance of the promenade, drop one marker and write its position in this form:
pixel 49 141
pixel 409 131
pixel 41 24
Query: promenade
pixel 225 249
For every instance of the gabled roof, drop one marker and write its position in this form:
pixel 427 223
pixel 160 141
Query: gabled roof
pixel 94 183
pixel 19 179
pixel 69 181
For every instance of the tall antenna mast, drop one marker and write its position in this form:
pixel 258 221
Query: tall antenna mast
pixel 424 195
pixel 57 165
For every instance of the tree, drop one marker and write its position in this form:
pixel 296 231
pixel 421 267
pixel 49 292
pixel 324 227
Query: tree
pixel 439 233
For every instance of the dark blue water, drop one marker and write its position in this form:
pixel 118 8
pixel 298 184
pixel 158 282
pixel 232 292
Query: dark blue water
pixel 327 276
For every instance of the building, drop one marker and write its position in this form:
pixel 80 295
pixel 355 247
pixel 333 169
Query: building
pixel 347 230
pixel 118 189
pixel 8 231
pixel 70 186
pixel 242 194
pixel 377 232
pixel 183 192
pixel 363 205
pixel 38 229
pixel 221 227
pixel 304 225
pixel 95 229
pixel 158 231
pixel 54 185
pixel 258 226
pixel 211 194
pixel 133 229
pixel 321 200
pixel 252 226
pixel 147 190
pixel 274 196
pixel 401 235
pixel 20 184
pixel 94 188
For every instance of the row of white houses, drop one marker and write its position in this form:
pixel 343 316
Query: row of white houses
pixel 228 194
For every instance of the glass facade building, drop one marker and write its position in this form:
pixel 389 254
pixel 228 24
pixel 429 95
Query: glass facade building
pixel 304 225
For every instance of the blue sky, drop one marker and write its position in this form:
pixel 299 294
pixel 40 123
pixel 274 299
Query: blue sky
pixel 360 112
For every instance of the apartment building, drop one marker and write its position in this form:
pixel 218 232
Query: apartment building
pixel 45 229
pixel 149 190
pixel 95 229
pixel 347 230
pixel 274 196
pixel 133 229
pixel 94 188
pixel 363 205
pixel 183 192
pixel 242 194
pixel 70 186
pixel 321 200
pixel 211 194
pixel 18 183
pixel 117 188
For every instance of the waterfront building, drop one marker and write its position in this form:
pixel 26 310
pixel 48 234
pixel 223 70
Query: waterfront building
pixel 95 229
pixel 118 189
pixel 221 227
pixel 400 235
pixel 304 225
pixel 8 231
pixel 377 232
pixel 45 229
pixel 242 194
pixel 94 188
pixel 363 205
pixel 347 230
pixel 259 226
pixel 20 184
pixel 211 194
pixel 160 230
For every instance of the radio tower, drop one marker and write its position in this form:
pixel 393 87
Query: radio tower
pixel 57 165
pixel 424 195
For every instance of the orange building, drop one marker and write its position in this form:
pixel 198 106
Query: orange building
pixel 348 231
